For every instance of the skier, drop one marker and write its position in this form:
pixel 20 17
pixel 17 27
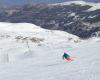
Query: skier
pixel 67 57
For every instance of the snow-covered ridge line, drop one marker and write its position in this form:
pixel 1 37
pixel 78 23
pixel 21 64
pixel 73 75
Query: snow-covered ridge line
pixel 70 2
pixel 94 6
pixel 76 2
pixel 21 27
pixel 28 27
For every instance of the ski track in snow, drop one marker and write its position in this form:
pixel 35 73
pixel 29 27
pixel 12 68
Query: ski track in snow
pixel 45 62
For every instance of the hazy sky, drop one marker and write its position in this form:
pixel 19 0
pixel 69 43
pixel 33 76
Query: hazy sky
pixel 10 2
pixel 27 1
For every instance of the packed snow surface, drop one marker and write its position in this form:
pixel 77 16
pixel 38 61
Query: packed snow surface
pixel 28 52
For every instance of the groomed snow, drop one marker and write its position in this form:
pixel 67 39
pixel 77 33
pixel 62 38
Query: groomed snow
pixel 43 60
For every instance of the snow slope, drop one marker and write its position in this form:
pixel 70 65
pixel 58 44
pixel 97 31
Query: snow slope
pixel 22 59
pixel 23 37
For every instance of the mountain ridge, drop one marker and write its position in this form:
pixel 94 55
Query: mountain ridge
pixel 82 20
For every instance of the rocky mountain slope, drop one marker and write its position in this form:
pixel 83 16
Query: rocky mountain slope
pixel 77 17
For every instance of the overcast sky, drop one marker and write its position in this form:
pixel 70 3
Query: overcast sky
pixel 27 1
pixel 10 2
